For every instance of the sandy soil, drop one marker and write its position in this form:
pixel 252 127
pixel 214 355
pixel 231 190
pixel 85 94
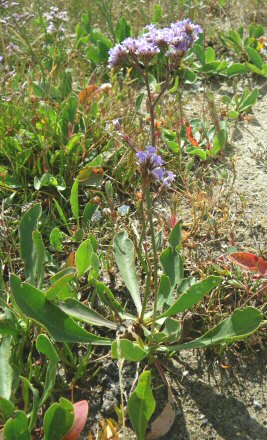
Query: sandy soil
pixel 251 176
pixel 219 403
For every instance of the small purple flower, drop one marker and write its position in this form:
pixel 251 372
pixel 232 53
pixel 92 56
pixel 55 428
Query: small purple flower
pixel 145 49
pixel 151 27
pixel 152 166
pixel 168 179
pixel 141 156
pixel 117 55
pixel 150 149
pixel 158 173
pixel 156 160
pixel 130 44
pixel 150 161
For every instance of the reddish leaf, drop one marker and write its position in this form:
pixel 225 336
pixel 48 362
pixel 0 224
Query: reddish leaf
pixel 173 220
pixel 262 266
pixel 244 259
pixel 190 136
pixel 80 416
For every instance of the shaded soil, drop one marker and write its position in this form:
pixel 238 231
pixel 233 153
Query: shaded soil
pixel 217 403
pixel 215 399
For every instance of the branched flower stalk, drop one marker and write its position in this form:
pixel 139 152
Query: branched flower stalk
pixel 139 53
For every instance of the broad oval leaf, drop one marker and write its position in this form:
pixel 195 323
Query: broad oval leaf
pixel 34 304
pixel 6 408
pixel 91 176
pixel 194 294
pixel 74 199
pixel 7 370
pixel 83 257
pixel 39 257
pixel 210 55
pixel 236 69
pixel 56 238
pixel 124 256
pixel 238 326
pixel 172 264
pixel 17 427
pixel 164 292
pixel 255 57
pixel 80 311
pixel 58 420
pixel 141 405
pixel 28 224
pixel 45 346
pixel 128 350
pixel 9 324
pixel 175 238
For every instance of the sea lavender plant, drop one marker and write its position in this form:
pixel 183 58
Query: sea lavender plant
pixel 139 53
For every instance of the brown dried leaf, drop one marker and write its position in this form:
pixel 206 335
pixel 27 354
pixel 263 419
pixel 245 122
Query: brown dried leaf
pixel 71 260
pixel 163 423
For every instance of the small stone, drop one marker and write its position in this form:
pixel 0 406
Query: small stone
pixel 257 404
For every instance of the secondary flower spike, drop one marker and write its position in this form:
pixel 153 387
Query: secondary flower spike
pixel 151 165
pixel 173 41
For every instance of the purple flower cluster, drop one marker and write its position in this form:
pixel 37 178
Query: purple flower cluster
pixel 21 19
pixel 12 48
pixel 7 5
pixel 174 41
pixel 55 20
pixel 152 166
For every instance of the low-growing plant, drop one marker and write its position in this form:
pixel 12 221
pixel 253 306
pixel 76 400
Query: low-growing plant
pixel 239 105
pixel 151 323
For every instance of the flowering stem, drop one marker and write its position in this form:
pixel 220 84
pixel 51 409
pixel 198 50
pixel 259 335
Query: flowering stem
pixel 155 255
pixel 145 264
pixel 147 291
pixel 151 109
pixel 164 87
